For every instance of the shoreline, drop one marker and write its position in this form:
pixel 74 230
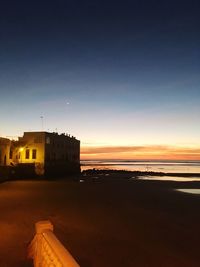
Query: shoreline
pixel 137 173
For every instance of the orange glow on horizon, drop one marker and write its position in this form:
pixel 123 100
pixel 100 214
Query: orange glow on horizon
pixel 140 152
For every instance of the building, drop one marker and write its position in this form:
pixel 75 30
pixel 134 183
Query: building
pixel 5 145
pixel 48 153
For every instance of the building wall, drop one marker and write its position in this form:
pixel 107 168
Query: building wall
pixel 62 154
pixel 4 151
pixel 31 149
pixel 61 148
pixel 29 142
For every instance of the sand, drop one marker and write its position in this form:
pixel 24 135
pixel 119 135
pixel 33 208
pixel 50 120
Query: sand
pixel 104 221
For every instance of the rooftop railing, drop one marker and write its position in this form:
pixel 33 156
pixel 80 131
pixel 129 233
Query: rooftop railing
pixel 46 250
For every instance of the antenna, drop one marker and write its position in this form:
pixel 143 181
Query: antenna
pixel 42 122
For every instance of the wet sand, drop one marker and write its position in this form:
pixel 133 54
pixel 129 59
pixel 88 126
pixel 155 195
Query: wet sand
pixel 104 221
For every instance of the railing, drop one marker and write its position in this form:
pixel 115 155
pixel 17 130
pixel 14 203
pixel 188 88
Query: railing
pixel 46 250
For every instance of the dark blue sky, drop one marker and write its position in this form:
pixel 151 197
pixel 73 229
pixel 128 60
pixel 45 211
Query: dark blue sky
pixel 118 63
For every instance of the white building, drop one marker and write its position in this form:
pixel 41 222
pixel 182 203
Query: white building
pixel 49 153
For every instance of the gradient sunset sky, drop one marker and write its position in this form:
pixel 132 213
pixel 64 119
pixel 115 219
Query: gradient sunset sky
pixel 121 76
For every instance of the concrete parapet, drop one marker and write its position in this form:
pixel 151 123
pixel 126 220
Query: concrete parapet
pixel 46 250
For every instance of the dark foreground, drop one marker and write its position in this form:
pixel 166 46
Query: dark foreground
pixel 104 221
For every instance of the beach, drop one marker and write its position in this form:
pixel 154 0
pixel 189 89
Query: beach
pixel 104 220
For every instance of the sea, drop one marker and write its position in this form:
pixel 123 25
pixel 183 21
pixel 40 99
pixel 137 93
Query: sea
pixel 166 166
pixel 182 167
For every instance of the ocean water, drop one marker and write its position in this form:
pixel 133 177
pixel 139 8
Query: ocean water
pixel 189 191
pixel 168 178
pixel 166 166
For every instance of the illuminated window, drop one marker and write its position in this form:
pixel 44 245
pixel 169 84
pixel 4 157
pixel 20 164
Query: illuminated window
pixel 34 154
pixel 27 153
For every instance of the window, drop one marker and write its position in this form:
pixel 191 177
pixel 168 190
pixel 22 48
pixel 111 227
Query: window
pixel 11 154
pixel 27 153
pixel 34 154
pixel 38 139
pixel 48 140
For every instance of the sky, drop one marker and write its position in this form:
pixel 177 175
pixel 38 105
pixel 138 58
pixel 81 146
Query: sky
pixel 121 76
